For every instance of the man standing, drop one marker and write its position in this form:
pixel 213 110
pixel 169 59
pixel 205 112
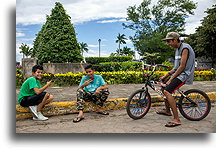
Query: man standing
pixel 182 73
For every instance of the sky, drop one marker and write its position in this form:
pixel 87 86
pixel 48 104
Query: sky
pixel 92 20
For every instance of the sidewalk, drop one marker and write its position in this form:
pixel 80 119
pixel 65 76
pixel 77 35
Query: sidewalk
pixel 118 121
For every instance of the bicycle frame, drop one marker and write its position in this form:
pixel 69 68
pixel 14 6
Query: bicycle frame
pixel 150 83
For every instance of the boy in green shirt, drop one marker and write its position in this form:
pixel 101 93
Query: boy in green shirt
pixel 32 95
pixel 91 88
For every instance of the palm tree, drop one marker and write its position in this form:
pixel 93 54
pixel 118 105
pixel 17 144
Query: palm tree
pixel 83 48
pixel 127 51
pixel 26 50
pixel 121 39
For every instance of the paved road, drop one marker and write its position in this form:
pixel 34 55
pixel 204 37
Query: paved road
pixel 117 122
pixel 120 90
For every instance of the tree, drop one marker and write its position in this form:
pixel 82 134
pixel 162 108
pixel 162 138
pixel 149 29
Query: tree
pixel 26 50
pixel 83 47
pixel 203 40
pixel 151 58
pixel 113 54
pixel 121 39
pixel 56 41
pixel 125 51
pixel 152 24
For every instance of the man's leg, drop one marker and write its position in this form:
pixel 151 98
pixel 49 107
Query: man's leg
pixel 175 84
pixel 81 94
pixel 101 98
pixel 47 98
pixel 165 111
pixel 172 104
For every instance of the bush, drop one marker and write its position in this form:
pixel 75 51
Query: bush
pixel 118 66
pixel 97 60
pixel 118 77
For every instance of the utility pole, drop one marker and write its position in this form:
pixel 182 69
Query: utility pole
pixel 99 46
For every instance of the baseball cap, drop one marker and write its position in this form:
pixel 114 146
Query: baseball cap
pixel 171 35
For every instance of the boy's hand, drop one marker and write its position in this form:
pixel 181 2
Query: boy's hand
pixel 49 83
pixel 97 91
pixel 86 83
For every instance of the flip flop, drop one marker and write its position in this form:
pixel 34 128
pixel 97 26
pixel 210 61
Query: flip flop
pixel 103 112
pixel 172 124
pixel 78 119
pixel 163 112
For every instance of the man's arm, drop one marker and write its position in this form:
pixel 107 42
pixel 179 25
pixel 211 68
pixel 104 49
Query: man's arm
pixel 86 83
pixel 167 75
pixel 105 86
pixel 38 91
pixel 182 66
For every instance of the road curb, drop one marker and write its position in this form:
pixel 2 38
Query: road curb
pixel 69 107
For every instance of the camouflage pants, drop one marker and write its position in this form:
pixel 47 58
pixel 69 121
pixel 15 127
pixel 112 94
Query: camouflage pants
pixel 83 96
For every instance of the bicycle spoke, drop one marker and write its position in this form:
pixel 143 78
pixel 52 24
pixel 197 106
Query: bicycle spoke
pixel 196 106
pixel 138 104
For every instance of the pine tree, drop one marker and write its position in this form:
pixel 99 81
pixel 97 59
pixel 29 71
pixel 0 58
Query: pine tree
pixel 56 41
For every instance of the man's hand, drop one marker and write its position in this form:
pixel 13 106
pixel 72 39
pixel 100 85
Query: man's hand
pixel 168 82
pixel 161 78
pixel 97 91
pixel 86 83
pixel 49 83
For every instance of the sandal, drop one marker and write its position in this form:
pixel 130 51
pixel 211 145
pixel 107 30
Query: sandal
pixel 103 112
pixel 172 124
pixel 163 112
pixel 78 119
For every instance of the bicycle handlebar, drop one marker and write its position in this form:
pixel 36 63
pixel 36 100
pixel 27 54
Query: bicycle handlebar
pixel 154 67
pixel 161 65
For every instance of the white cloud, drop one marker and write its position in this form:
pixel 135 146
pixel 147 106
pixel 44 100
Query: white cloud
pixel 93 46
pixel 112 21
pixel 34 12
pixel 128 41
pixel 19 34
pixel 95 53
pixel 194 21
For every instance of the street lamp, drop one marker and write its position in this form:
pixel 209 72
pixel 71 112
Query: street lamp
pixel 99 46
pixel 212 37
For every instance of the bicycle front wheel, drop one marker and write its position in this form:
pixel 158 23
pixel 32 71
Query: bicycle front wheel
pixel 196 106
pixel 138 104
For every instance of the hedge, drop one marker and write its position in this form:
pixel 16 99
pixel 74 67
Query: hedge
pixel 119 77
pixel 97 60
pixel 118 66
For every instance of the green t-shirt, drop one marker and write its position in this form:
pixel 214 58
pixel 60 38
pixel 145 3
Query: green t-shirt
pixel 98 81
pixel 27 88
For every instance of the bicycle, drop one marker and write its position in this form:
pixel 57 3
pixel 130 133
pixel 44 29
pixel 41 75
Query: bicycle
pixel 193 104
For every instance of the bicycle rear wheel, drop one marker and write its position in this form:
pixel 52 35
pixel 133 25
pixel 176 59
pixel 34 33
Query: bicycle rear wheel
pixel 138 104
pixel 196 106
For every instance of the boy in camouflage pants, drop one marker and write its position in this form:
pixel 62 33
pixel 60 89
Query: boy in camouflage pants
pixel 92 88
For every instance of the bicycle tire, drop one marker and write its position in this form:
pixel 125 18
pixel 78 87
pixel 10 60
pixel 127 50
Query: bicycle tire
pixel 198 111
pixel 138 104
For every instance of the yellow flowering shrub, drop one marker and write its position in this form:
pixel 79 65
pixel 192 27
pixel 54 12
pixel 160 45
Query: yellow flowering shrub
pixel 117 77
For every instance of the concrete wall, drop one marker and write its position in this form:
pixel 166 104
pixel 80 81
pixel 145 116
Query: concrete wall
pixel 55 68
pixel 27 64
pixel 204 62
